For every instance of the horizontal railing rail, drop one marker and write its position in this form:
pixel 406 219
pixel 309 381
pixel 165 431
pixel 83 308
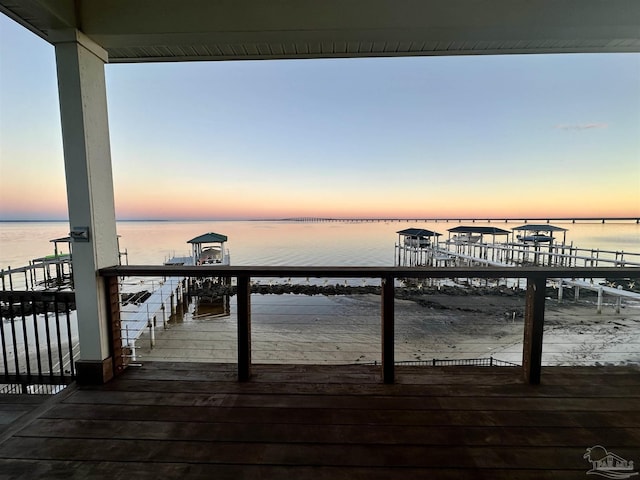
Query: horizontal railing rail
pixel 39 341
pixel 536 278
pixel 368 272
pixel 539 254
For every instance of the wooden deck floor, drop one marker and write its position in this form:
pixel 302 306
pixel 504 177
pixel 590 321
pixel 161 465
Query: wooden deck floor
pixel 178 420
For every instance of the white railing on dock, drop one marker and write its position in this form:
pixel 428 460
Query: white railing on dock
pixel 616 292
pixel 512 254
pixel 469 253
pixel 157 309
pixel 38 274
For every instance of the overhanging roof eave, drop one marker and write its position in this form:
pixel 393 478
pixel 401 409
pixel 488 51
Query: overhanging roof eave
pixel 252 29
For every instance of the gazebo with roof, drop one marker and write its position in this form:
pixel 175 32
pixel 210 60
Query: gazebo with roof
pixel 416 237
pixel 415 247
pixel 534 233
pixel 475 234
pixel 209 248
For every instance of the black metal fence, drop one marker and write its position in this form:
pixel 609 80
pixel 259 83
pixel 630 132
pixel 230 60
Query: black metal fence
pixel 39 341
pixel 460 362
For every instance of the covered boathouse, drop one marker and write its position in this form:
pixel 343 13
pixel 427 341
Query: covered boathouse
pixel 197 421
pixel 414 247
pixel 465 235
pixel 209 248
pixel 537 234
pixel 206 249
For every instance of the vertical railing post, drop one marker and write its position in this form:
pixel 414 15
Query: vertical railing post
pixel 25 337
pixel 388 354
pixel 67 313
pixel 14 344
pixel 115 330
pixel 243 298
pixel 533 328
pixel 560 291
pixel 600 298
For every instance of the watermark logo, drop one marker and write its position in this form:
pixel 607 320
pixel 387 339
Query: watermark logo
pixel 608 464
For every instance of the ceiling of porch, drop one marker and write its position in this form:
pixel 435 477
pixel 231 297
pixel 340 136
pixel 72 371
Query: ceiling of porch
pixel 167 30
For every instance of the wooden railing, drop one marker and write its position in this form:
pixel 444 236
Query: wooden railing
pixel 536 278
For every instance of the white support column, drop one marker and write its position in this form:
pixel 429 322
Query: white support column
pixel 87 156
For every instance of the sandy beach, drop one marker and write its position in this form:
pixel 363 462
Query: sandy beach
pixel 346 329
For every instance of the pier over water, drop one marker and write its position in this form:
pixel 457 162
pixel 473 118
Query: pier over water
pixel 537 245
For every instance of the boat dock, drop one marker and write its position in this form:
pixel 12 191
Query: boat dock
pixel 154 311
pixel 53 271
pixel 56 270
pixel 474 245
pixel 527 245
pixel 157 308
pixel 618 292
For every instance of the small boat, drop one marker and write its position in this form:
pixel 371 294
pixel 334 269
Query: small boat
pixel 420 242
pixel 539 233
pixel 466 238
pixel 538 238
pixel 210 256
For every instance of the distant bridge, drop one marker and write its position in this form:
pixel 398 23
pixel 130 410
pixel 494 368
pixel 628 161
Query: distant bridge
pixel 464 219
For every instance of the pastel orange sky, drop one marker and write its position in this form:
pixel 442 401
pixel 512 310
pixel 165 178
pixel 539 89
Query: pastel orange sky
pixel 487 136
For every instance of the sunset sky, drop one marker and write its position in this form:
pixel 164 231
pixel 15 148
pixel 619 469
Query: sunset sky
pixel 428 137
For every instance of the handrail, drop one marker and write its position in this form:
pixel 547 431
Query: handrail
pixel 534 309
pixel 368 272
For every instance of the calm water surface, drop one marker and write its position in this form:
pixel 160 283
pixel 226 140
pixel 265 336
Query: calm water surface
pixel 282 243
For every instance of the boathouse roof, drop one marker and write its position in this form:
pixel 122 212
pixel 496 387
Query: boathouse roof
pixel 540 228
pixel 209 238
pixel 418 232
pixel 481 230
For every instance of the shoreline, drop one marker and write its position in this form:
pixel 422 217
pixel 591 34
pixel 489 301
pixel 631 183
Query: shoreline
pixel 308 329
pixel 211 290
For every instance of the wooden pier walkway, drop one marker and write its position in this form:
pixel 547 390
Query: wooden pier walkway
pixel 190 420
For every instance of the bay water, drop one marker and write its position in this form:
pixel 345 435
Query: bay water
pixel 262 243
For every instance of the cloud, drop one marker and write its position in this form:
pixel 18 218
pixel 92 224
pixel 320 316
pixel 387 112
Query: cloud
pixel 583 126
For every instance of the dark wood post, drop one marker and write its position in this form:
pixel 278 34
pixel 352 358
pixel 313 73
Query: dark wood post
pixel 533 327
pixel 115 330
pixel 388 354
pixel 244 327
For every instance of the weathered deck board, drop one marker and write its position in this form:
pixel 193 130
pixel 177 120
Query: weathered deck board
pixel 357 402
pixel 153 471
pixel 437 390
pixel 349 417
pixel 303 454
pixel 13 406
pixel 196 421
pixel 322 433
